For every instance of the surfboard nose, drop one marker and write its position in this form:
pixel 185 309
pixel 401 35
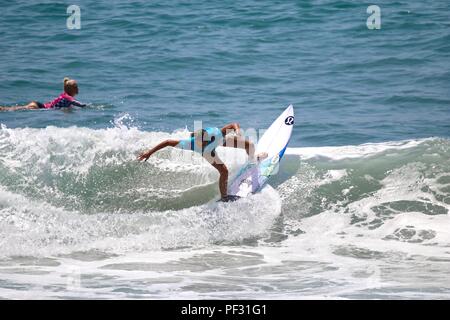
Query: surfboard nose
pixel 290 108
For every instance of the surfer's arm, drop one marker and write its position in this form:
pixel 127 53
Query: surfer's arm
pixel 241 143
pixel 78 104
pixel 167 143
pixel 231 127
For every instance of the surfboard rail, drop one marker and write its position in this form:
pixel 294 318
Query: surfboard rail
pixel 252 177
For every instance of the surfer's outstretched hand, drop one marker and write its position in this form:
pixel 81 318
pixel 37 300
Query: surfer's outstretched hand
pixel 167 143
pixel 144 156
pixel 259 157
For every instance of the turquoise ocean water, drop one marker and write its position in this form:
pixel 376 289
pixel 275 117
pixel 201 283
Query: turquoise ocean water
pixel 360 207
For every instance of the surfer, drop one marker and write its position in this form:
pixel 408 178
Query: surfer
pixel 205 142
pixel 64 100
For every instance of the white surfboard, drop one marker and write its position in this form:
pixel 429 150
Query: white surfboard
pixel 252 177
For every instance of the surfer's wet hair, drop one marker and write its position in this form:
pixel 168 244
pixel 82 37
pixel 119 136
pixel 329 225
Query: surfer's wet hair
pixel 196 133
pixel 70 86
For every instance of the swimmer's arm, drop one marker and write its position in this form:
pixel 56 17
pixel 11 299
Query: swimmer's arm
pixel 167 143
pixel 231 126
pixel 78 104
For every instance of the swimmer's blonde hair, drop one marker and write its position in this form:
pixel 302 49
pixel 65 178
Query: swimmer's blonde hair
pixel 67 84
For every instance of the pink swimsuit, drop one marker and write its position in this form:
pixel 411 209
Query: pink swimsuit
pixel 63 101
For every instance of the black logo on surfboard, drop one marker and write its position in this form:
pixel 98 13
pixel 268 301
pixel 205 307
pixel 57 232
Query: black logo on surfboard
pixel 289 120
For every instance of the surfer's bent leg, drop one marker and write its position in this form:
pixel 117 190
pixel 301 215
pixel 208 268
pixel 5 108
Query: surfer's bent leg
pixel 217 163
pixel 31 105
pixel 223 180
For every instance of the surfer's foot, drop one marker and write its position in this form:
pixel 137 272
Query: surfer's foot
pixel 229 198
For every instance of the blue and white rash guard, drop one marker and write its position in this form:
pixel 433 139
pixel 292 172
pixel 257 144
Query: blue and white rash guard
pixel 214 139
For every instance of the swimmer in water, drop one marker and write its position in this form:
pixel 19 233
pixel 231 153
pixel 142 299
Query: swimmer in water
pixel 204 142
pixel 65 99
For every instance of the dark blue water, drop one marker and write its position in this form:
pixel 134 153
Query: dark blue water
pixel 167 64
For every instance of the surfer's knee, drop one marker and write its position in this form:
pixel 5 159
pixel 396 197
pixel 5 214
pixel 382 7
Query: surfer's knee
pixel 223 170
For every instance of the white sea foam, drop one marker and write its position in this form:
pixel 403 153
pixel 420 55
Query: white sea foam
pixel 363 150
pixel 339 222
